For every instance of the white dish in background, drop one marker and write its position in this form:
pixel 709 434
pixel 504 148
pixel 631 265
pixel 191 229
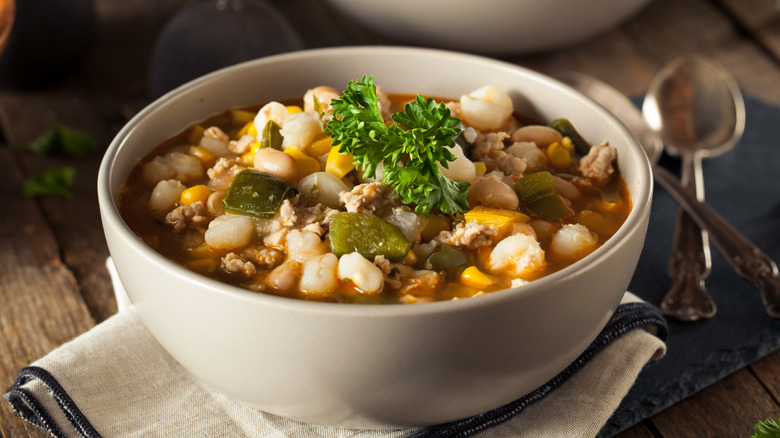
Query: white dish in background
pixel 357 365
pixel 491 27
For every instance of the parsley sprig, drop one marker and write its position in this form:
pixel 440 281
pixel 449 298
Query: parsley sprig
pixel 767 429
pixel 409 149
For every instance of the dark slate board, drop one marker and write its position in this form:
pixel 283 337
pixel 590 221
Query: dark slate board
pixel 743 186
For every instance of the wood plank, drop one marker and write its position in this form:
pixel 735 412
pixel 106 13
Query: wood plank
pixel 729 408
pixel 636 431
pixel 760 19
pixel 41 302
pixel 666 32
pixel 76 221
pixel 767 370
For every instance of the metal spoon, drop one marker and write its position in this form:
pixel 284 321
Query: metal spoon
pixel 743 256
pixel 698 109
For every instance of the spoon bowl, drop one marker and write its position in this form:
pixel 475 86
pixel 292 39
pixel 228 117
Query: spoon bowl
pixel 695 104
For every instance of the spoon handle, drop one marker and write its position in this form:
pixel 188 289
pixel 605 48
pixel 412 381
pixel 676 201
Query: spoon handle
pixel 689 259
pixel 745 258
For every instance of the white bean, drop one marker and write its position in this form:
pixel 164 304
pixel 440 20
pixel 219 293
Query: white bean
pixel 302 245
pixel 365 275
pixel 318 276
pixel 164 195
pixel 534 157
pixel 322 188
pixel 517 255
pixel 284 278
pixel 214 203
pixel 324 94
pixel 230 231
pixel 487 108
pixel 461 169
pixel 543 229
pixel 173 165
pixel 524 228
pixel 271 111
pixel 573 242
pixel 216 141
pixel 540 135
pixel 277 162
pixel 493 193
pixel 566 188
pixel 300 129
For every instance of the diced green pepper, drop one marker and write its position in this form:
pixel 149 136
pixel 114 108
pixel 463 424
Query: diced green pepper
pixel 272 136
pixel 548 207
pixel 537 195
pixel 566 129
pixel 535 186
pixel 367 234
pixel 446 257
pixel 257 193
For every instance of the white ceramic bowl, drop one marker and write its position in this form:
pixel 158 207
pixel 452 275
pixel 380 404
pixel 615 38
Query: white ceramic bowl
pixel 372 365
pixel 495 27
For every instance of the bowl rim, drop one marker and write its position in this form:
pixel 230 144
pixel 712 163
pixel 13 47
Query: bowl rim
pixel 111 217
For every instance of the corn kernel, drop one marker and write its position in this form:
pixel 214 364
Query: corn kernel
pixel 292 109
pixel 481 168
pixel 338 164
pixel 566 142
pixel 410 258
pixel 247 159
pixel 559 156
pixel 195 134
pixel 500 218
pixel 435 224
pixel 296 152
pixel 241 117
pixel 594 221
pixel 201 251
pixel 195 194
pixel 203 265
pixel 204 155
pixel 475 278
pixel 608 206
pixel 305 166
pixel 248 129
pixel 320 146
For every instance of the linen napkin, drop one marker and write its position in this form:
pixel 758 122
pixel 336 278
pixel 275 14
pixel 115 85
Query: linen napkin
pixel 117 381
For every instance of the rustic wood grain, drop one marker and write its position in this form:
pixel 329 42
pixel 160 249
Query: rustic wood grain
pixel 767 370
pixel 760 19
pixel 42 306
pixel 667 31
pixel 713 413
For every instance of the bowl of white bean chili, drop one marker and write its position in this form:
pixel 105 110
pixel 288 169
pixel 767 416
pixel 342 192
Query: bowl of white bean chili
pixel 376 236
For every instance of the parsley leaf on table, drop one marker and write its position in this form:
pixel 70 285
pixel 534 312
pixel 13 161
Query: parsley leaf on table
pixel 54 181
pixel 409 149
pixel 767 429
pixel 61 140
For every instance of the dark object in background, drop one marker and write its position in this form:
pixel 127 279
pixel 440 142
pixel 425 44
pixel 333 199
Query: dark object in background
pixel 207 35
pixel 48 41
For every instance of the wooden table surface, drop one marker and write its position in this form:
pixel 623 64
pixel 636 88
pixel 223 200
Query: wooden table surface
pixel 53 281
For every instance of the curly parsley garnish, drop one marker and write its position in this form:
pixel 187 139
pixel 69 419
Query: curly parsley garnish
pixel 767 429
pixel 409 149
